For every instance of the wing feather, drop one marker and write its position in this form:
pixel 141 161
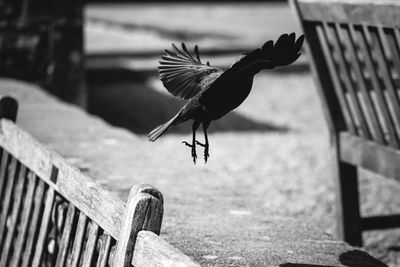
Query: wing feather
pixel 182 73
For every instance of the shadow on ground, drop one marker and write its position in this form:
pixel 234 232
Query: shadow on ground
pixel 353 258
pixel 123 99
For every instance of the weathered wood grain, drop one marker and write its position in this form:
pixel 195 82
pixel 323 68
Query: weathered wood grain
pixel 8 197
pixel 45 219
pixel 12 221
pixel 369 12
pixel 26 215
pixel 90 247
pixel 144 212
pixel 78 240
pixel 66 236
pixel 151 250
pixel 34 224
pixel 3 178
pixel 83 192
pixel 104 251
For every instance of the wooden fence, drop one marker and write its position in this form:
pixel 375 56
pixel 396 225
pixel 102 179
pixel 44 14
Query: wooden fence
pixel 53 214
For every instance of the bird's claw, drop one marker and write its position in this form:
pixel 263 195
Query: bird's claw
pixel 187 144
pixel 193 146
pixel 206 149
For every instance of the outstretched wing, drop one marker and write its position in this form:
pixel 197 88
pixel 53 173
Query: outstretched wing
pixel 182 74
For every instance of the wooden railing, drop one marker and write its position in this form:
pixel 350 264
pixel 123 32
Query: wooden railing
pixel 53 214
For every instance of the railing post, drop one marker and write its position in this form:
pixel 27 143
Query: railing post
pixel 8 108
pixel 144 211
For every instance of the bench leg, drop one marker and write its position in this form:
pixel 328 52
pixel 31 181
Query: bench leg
pixel 347 202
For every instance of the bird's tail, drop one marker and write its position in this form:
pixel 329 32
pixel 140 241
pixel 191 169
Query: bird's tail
pixel 162 129
pixel 285 51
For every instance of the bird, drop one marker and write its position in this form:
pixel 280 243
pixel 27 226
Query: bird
pixel 212 92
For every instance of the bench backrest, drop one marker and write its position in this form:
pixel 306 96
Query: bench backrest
pixel 52 214
pixel 354 50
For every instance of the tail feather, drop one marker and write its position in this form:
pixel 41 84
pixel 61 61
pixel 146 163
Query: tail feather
pixel 161 129
pixel 285 51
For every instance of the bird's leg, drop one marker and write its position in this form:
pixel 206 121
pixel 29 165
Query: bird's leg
pixel 206 144
pixel 195 125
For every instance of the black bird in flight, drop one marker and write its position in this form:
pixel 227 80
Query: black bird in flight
pixel 212 92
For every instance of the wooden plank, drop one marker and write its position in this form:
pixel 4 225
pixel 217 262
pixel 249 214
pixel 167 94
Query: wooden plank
pixel 383 13
pixel 26 215
pixel 34 224
pixel 380 222
pixel 12 170
pixel 78 240
pixel 360 81
pixel 105 249
pixel 376 86
pixel 343 69
pixel 42 237
pixel 12 221
pixel 369 155
pixel 66 236
pixel 83 192
pixel 334 74
pixel 90 244
pixel 384 67
pixel 144 211
pixel 3 167
pixel 151 250
pixel 388 35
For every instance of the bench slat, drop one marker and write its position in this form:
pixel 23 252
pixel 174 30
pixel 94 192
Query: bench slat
pixel 3 168
pixel 66 236
pixel 26 215
pixel 90 247
pixel 370 109
pixel 332 30
pixel 389 37
pixel 384 67
pixel 83 192
pixel 387 121
pixel 34 223
pixel 104 251
pixel 369 155
pixel 44 227
pixel 11 172
pixel 12 220
pixel 79 239
pixel 323 38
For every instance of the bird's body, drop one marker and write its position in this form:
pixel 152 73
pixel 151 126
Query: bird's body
pixel 212 92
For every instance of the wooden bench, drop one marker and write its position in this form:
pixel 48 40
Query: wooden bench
pixel 52 214
pixel 353 48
